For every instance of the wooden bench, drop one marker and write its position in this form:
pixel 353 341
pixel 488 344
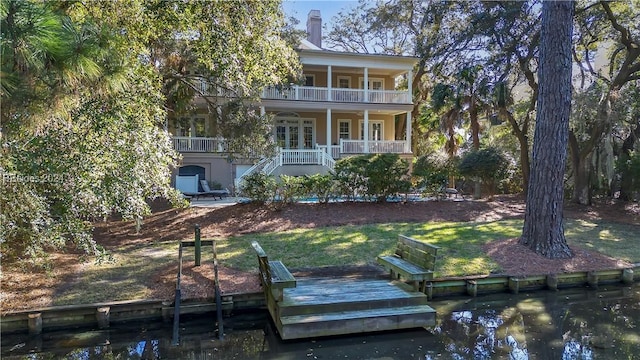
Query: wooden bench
pixel 413 260
pixel 274 276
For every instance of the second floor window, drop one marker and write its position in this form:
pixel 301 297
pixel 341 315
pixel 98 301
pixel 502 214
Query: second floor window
pixel 309 80
pixel 344 82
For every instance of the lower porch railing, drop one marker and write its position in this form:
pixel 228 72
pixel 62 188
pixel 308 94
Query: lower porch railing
pixel 297 156
pixel 199 144
pixel 374 146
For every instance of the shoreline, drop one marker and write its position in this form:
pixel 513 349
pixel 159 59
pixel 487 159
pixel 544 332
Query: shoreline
pixel 36 321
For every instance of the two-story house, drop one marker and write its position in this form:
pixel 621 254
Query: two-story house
pixel 347 105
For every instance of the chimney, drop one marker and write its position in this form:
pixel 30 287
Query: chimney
pixel 314 28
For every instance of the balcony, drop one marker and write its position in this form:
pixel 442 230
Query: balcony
pixel 309 93
pixel 374 147
pixel 199 144
pixel 346 147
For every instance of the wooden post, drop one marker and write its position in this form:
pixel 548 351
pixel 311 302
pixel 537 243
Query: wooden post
pixel 472 288
pixel 552 281
pixel 102 315
pixel 592 279
pixel 627 276
pixel 514 285
pixel 198 245
pixel 166 311
pixel 429 291
pixel 216 285
pixel 35 323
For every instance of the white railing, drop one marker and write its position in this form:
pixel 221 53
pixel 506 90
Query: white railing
pixel 289 157
pixel 300 156
pixel 259 166
pixel 334 150
pixel 199 144
pixel 389 97
pixel 351 146
pixel 328 161
pixel 310 93
pixel 271 165
pixel 347 95
pixel 374 147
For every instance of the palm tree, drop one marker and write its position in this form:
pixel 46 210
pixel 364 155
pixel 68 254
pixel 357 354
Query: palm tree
pixel 460 103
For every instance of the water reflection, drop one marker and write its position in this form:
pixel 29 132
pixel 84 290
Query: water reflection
pixel 570 324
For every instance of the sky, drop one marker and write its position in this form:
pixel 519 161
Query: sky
pixel 328 9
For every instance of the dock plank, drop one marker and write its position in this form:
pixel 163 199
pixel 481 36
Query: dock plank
pixel 353 322
pixel 324 296
pixel 361 314
pixel 329 306
pixel 320 291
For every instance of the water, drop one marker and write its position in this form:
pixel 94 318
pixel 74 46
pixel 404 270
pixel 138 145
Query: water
pixel 569 324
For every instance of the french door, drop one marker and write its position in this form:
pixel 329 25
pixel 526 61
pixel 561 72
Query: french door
pixel 375 130
pixel 295 133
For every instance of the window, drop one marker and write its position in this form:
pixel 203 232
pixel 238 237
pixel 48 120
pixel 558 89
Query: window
pixel 295 133
pixel 374 84
pixel 309 80
pixel 344 129
pixel 191 126
pixel 307 134
pixel 376 128
pixel 344 82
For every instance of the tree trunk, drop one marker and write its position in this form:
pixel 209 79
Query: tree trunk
pixel 543 230
pixel 581 163
pixel 626 193
pixel 523 140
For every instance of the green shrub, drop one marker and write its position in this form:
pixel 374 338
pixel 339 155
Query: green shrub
pixel 289 189
pixel 259 187
pixel 350 176
pixel 321 186
pixel 431 173
pixel 387 175
pixel 488 165
pixel 372 176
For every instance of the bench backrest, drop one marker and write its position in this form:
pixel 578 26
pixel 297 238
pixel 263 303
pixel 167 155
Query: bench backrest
pixel 416 252
pixel 263 263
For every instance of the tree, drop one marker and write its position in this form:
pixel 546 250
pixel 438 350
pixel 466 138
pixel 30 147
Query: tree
pixel 86 89
pixel 514 32
pixel 543 230
pixel 462 99
pixel 602 26
pixel 433 31
pixel 488 165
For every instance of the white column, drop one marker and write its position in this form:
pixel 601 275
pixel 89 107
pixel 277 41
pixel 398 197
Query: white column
pixel 409 84
pixel 366 85
pixel 408 134
pixel 366 130
pixel 329 97
pixel 329 131
pixel 262 111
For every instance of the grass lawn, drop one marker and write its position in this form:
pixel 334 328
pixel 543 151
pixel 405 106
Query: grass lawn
pixel 461 244
pixel 461 252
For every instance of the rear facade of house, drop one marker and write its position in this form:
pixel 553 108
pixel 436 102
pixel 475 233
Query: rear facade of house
pixel 348 105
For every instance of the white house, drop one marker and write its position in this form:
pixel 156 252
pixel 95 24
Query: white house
pixel 347 105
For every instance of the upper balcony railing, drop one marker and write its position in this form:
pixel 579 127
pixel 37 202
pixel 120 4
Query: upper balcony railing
pixel 310 93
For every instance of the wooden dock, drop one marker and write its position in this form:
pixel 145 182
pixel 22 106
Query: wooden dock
pixel 313 307
pixel 323 307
